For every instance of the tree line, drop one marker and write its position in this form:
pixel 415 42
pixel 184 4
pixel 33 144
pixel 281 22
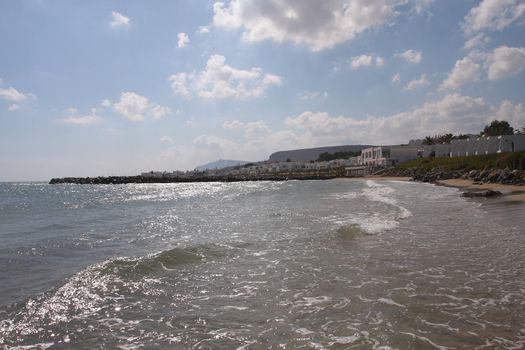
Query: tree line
pixel 495 128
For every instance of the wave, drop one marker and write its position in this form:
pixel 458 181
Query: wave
pixel 349 232
pixel 384 214
pixel 98 290
pixel 164 261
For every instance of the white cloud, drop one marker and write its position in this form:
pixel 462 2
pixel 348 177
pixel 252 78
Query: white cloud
pixel 12 94
pixel 132 106
pixel 76 119
pixel 505 62
pixel 411 56
pixel 514 114
pixel 82 120
pixel 453 113
pixel 311 95
pixel 417 83
pixel 214 142
pixel 159 112
pixel 219 80
pixel 421 6
pixel 477 42
pixel 465 71
pixel 136 107
pixel 318 25
pixel 252 129
pixel 361 61
pixel 179 84
pixel 203 30
pixel 166 139
pixel 396 78
pixel 118 20
pixel 182 40
pixel 366 61
pixel 493 15
pixel 14 107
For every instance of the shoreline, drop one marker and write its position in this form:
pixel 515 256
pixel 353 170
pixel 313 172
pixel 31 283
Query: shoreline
pixel 510 193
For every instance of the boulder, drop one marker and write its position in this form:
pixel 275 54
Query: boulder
pixel 477 194
pixel 473 174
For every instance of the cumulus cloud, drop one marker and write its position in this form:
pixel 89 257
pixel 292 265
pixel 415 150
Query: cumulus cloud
pixel 366 61
pixel 220 80
pixel 453 113
pixel 513 113
pixel 118 20
pixel 411 56
pixel 317 25
pixel 505 62
pixel 135 107
pixel 417 83
pixel 182 40
pixel 465 71
pixel 13 95
pixel 251 128
pixel 493 15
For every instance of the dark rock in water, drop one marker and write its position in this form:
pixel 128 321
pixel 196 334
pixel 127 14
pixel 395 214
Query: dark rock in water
pixel 485 193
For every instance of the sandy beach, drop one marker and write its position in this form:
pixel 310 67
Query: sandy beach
pixel 510 192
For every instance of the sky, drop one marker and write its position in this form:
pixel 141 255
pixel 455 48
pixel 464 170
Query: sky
pixel 103 87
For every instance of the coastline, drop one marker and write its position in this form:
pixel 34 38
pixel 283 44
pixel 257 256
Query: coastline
pixel 510 193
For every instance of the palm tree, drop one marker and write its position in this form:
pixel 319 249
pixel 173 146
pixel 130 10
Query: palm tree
pixel 429 140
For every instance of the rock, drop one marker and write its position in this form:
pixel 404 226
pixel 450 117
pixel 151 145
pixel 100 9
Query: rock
pixel 472 174
pixel 484 173
pixel 485 193
pixel 493 176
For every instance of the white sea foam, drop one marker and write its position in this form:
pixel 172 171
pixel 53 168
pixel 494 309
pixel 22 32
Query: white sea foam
pixel 345 340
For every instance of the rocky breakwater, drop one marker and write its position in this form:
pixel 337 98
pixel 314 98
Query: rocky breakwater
pixel 499 176
pixel 115 180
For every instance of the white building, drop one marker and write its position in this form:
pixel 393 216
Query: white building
pixel 375 156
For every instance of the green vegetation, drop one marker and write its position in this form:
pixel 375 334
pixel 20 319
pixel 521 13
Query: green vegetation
pixel 337 155
pixel 514 160
pixel 497 128
pixel 443 138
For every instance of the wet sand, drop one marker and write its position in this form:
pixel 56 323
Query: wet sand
pixel 510 192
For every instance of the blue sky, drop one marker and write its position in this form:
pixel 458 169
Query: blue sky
pixel 119 87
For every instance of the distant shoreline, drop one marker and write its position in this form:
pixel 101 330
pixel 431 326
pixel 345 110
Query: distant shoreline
pixel 510 192
pixel 118 180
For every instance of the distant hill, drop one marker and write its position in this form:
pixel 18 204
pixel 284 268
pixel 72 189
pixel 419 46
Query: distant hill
pixel 307 154
pixel 221 163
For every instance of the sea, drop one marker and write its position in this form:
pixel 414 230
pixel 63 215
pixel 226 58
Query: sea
pixel 334 264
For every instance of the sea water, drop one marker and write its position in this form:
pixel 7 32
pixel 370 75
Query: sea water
pixel 333 264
